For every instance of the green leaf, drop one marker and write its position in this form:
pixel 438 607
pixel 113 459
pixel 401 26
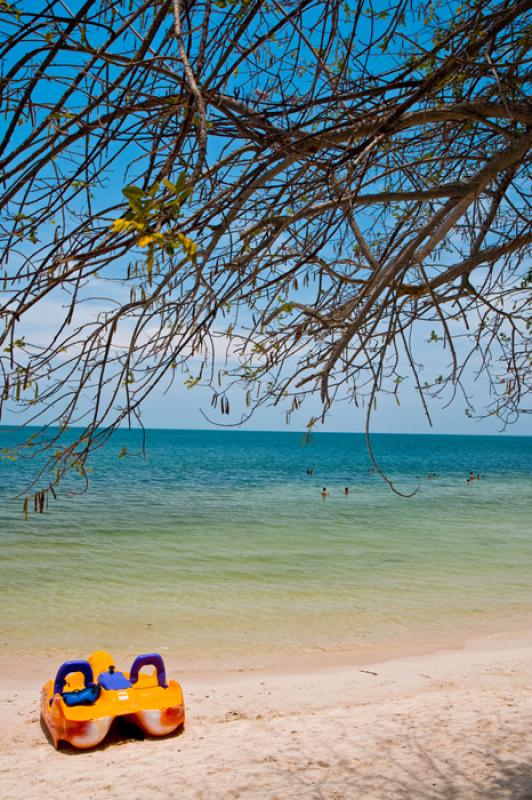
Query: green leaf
pixel 134 192
pixel 173 203
pixel 181 181
pixel 154 189
pixel 135 204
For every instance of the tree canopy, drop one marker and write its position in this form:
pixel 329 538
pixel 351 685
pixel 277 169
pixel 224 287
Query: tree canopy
pixel 266 198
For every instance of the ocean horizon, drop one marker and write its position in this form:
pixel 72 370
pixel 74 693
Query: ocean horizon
pixel 220 545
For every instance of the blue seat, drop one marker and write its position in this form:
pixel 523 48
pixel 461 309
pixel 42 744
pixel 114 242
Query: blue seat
pixel 113 680
pixel 82 697
pixel 79 697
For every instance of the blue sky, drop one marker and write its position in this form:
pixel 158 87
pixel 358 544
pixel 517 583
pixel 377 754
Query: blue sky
pixel 181 408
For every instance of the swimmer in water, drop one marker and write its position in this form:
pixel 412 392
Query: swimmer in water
pixel 324 492
pixel 346 490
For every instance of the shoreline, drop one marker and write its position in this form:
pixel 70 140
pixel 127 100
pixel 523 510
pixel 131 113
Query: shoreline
pixel 28 668
pixel 455 723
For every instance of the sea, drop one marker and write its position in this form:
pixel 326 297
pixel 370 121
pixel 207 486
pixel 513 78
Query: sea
pixel 218 547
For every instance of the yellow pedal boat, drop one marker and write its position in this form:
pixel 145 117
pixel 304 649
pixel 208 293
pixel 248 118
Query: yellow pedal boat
pixel 80 704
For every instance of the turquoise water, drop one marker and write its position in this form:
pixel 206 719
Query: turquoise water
pixel 219 546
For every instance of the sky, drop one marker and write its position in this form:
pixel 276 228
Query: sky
pixel 182 408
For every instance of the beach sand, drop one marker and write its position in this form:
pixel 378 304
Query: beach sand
pixel 452 724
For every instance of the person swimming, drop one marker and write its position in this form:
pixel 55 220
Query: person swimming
pixel 346 490
pixel 324 492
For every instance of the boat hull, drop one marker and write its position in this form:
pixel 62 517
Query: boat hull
pixel 158 722
pixel 82 734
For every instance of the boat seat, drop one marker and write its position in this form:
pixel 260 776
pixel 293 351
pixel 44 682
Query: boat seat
pixel 113 679
pixel 82 697
pixel 77 697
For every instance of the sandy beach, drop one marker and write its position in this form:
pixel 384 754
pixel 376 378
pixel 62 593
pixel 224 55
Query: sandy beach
pixel 452 724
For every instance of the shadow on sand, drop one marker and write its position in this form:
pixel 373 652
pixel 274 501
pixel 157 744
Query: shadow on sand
pixel 418 772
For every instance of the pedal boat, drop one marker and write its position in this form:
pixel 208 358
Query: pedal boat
pixel 80 705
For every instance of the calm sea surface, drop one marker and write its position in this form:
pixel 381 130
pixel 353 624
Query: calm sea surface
pixel 219 546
